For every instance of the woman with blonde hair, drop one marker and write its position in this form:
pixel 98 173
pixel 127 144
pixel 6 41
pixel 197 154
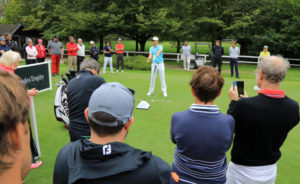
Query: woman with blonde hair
pixel 9 62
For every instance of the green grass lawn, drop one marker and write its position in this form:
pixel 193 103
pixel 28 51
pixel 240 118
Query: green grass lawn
pixel 150 131
pixel 169 47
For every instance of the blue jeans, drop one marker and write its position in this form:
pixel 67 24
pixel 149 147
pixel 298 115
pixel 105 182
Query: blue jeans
pixel 235 63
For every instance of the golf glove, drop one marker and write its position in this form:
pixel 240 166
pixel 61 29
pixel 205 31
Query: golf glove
pixel 154 57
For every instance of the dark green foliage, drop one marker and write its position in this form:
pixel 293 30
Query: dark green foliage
pixel 253 22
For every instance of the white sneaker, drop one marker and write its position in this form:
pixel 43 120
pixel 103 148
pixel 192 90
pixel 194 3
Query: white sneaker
pixel 117 70
pixel 149 94
pixel 122 70
pixel 165 94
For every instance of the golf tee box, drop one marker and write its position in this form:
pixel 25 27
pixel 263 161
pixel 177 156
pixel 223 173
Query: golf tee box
pixel 143 105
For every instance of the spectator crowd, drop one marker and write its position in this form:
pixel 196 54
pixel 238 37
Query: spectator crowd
pixel 55 49
pixel 101 115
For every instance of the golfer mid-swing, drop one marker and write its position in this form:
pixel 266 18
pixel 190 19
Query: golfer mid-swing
pixel 156 53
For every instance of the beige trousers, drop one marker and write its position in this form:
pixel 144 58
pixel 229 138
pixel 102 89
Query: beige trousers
pixel 72 60
pixel 186 62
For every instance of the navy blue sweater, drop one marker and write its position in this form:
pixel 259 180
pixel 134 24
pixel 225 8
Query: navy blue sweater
pixel 79 91
pixel 202 136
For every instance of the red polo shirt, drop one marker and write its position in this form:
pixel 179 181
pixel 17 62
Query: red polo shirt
pixel 70 47
pixel 120 46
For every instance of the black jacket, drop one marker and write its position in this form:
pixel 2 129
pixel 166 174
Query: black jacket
pixel 12 45
pixel 218 52
pixel 94 52
pixel 83 162
pixel 79 91
pixel 262 124
pixel 24 50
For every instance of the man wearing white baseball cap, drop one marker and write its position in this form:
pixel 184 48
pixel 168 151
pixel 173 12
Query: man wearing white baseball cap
pixel 156 54
pixel 265 53
pixel 120 50
pixel 94 51
pixel 105 158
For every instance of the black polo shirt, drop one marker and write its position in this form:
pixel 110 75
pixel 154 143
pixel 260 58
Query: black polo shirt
pixel 262 124
pixel 79 91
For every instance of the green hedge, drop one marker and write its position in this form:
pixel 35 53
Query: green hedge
pixel 130 62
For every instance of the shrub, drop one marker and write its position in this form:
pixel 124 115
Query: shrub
pixel 136 63
pixel 130 62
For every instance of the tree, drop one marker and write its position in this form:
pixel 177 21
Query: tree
pixel 275 25
pixel 15 10
pixel 242 19
pixel 141 19
pixel 90 24
pixel 253 22
pixel 55 17
pixel 281 28
pixel 181 12
pixel 208 16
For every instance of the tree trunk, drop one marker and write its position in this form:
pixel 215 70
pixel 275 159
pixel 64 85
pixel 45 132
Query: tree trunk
pixel 213 42
pixel 101 41
pixel 136 45
pixel 143 43
pixel 244 43
pixel 213 37
pixel 178 46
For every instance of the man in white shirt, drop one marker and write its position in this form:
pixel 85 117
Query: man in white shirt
pixel 234 53
pixel 186 55
pixel 80 53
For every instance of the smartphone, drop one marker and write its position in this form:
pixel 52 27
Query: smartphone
pixel 240 87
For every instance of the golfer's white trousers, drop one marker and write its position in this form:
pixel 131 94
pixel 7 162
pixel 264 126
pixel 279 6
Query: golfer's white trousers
pixel 239 174
pixel 160 67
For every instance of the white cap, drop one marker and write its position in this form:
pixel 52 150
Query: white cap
pixel 119 39
pixel 155 38
pixel 266 47
pixel 91 42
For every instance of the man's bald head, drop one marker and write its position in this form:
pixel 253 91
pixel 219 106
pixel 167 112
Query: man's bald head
pixel 274 68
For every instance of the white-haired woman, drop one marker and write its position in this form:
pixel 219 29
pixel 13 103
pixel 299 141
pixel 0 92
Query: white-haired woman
pixel 9 62
pixel 31 53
